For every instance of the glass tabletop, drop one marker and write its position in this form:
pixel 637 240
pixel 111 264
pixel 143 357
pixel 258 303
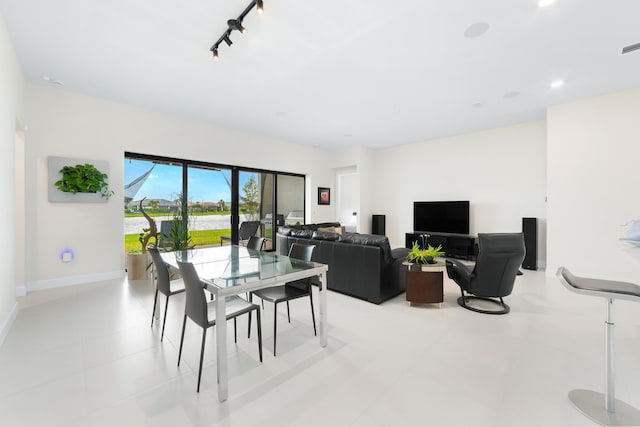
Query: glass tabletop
pixel 233 265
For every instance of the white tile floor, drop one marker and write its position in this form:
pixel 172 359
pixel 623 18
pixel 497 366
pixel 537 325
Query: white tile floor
pixel 86 356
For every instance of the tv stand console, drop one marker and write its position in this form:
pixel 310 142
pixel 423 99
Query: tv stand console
pixel 454 245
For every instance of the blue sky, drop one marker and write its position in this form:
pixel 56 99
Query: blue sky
pixel 165 182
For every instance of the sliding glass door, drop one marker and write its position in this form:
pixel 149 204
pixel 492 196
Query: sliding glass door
pixel 290 199
pixel 256 202
pixel 217 199
pixel 209 202
pixel 155 184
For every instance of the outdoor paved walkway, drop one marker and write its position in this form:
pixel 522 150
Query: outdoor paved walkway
pixel 205 222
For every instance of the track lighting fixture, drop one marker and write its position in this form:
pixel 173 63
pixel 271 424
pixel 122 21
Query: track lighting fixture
pixel 236 25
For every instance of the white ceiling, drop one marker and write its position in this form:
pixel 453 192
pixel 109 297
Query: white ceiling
pixel 333 73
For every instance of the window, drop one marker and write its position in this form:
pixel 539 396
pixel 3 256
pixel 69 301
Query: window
pixel 218 198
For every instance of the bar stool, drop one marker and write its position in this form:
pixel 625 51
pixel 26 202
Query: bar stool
pixel 613 412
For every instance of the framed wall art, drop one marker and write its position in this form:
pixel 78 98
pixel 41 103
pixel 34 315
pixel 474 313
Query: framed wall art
pixel 324 196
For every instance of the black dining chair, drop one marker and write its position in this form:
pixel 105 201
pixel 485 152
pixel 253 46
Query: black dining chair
pixel 255 243
pixel 246 230
pixel 164 285
pixel 289 291
pixel 203 313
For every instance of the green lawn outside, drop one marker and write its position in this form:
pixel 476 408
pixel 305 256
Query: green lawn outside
pixel 198 237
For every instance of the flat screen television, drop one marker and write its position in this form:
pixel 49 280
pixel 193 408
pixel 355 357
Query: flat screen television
pixel 441 217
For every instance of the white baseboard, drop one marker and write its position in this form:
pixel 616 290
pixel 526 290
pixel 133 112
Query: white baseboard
pixel 40 285
pixel 7 322
pixel 542 265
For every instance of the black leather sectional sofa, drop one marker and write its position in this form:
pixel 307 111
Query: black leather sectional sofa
pixel 360 265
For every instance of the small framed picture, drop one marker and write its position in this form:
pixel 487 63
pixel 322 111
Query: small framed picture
pixel 324 196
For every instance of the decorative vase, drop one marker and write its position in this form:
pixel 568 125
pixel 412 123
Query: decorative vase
pixel 137 266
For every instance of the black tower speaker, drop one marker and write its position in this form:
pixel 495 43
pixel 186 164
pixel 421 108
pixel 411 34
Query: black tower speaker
pixel 530 231
pixel 377 225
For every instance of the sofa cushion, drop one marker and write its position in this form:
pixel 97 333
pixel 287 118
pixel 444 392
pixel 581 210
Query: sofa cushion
pixel 325 235
pixel 285 231
pixel 338 230
pixel 302 233
pixel 328 224
pixel 370 240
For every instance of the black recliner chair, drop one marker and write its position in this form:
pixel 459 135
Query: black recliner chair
pixel 500 256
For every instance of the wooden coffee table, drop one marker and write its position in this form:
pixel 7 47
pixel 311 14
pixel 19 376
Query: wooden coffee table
pixel 424 284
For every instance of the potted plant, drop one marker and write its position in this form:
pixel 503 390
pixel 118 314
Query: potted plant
pixel 417 255
pixel 178 238
pixel 83 179
pixel 138 260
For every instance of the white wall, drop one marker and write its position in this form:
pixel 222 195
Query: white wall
pixel 500 171
pixel 68 124
pixel 11 112
pixel 594 148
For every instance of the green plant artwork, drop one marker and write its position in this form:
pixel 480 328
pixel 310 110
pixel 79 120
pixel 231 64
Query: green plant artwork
pixel 83 179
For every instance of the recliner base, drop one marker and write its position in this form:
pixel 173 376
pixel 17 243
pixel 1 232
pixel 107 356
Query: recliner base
pixel 503 307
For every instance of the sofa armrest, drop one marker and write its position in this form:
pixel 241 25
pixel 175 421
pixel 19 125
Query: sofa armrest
pixel 399 253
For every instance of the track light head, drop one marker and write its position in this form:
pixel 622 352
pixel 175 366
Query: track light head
pixel 227 40
pixel 235 24
pixel 215 53
pixel 259 6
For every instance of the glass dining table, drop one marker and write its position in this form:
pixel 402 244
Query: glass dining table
pixel 233 270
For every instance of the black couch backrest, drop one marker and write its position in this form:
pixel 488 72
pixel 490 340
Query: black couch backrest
pixel 370 240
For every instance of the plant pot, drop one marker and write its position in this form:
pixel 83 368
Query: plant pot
pixel 137 266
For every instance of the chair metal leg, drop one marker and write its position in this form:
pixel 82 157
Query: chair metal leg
pixel 155 301
pixel 204 336
pixel 250 299
pixel 184 324
pixel 259 333
pixel 313 317
pixel 166 306
pixel 235 330
pixel 275 327
pixel 288 315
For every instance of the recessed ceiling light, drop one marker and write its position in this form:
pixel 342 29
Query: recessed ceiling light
pixel 512 94
pixel 348 135
pixel 477 105
pixel 281 113
pixel 476 30
pixel 543 3
pixel 556 84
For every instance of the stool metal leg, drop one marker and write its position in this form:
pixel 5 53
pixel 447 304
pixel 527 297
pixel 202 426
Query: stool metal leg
pixel 605 409
pixel 609 360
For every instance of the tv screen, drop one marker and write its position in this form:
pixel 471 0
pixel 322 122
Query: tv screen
pixel 442 217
